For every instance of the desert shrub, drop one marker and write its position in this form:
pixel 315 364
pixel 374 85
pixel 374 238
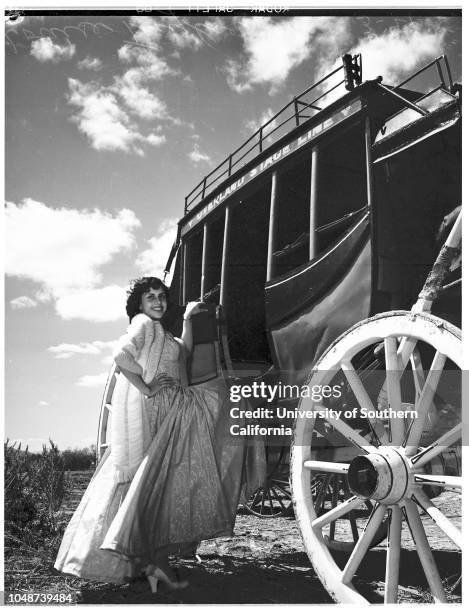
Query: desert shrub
pixel 20 500
pixel 35 487
pixel 79 458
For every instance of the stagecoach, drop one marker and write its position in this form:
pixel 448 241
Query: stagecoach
pixel 319 246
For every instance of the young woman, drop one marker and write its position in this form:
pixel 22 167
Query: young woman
pixel 172 476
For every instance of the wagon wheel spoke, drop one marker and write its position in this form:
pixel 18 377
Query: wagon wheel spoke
pixel 334 514
pixel 254 499
pixel 353 525
pixel 363 544
pixel 424 552
pixel 437 447
pixel 349 433
pixel 285 491
pixel 335 499
pixel 451 483
pixel 269 497
pixel 285 483
pixel 417 372
pixel 262 501
pixel 393 388
pixel 393 554
pixel 404 352
pixel 425 402
pixel 278 498
pixel 319 503
pixel 352 514
pixel 363 398
pixel 438 517
pixel 326 466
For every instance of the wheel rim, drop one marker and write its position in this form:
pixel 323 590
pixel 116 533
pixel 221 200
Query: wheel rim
pixel 105 414
pixel 405 454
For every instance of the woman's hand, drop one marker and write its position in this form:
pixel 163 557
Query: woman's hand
pixel 193 308
pixel 158 382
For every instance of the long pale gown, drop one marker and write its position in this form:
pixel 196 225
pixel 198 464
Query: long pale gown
pixel 186 489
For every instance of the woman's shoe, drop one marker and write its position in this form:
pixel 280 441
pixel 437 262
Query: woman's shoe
pixel 153 582
pixel 156 574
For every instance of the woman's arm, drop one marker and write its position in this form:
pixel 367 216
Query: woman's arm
pixel 187 336
pixel 149 390
pixel 136 380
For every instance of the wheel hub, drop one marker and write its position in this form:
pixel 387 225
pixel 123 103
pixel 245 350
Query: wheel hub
pixel 382 475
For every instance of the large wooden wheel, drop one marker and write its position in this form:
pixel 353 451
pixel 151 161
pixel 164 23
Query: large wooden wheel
pixel 396 465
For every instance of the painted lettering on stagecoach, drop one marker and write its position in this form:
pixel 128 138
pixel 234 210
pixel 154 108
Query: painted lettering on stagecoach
pixel 266 164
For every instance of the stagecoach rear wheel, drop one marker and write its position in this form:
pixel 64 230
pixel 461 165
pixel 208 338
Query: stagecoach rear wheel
pixel 395 465
pixel 273 499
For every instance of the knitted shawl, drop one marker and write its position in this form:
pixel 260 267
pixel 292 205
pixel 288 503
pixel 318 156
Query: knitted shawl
pixel 139 351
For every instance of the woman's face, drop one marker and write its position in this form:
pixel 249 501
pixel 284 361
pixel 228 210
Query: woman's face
pixel 154 303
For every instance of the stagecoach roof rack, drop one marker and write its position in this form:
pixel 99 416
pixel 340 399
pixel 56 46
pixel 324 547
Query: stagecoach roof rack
pixel 351 68
pixel 303 109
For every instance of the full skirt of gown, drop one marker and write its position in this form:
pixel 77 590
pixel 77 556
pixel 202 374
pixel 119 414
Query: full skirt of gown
pixel 186 489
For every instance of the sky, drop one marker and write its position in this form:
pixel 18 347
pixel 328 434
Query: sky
pixel 110 122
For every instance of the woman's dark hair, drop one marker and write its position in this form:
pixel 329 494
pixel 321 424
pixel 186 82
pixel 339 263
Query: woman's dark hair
pixel 138 287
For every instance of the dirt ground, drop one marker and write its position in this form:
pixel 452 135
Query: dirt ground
pixel 263 563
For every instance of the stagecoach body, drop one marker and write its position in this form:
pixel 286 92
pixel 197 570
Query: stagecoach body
pixel 324 217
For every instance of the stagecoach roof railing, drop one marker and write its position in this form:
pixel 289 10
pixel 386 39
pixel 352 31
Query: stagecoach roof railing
pixel 448 87
pixel 259 137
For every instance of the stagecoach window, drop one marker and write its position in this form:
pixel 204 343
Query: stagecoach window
pixel 293 203
pixel 245 276
pixel 193 265
pixel 340 195
pixel 215 229
pixel 341 185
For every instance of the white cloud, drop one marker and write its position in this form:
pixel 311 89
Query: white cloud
pixel 100 117
pixel 23 301
pixel 148 30
pixel 197 157
pixel 151 261
pixel 274 47
pixel 97 305
pixel 145 50
pixel 156 140
pixel 97 347
pixel 140 100
pixel 90 63
pixel 43 403
pixel 398 51
pixel 92 380
pixel 63 249
pixel 150 67
pixel 183 34
pixel 45 50
pixel 394 54
pixel 106 124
